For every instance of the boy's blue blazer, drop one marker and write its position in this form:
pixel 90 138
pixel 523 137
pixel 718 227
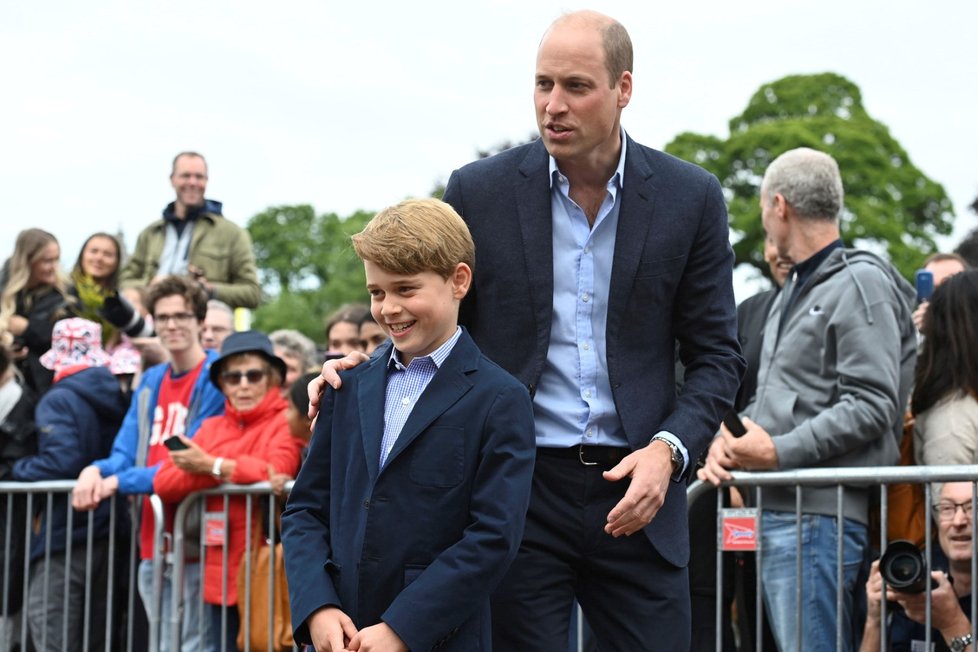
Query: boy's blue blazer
pixel 423 542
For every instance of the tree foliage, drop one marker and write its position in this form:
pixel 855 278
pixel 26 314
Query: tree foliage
pixel 890 205
pixel 307 265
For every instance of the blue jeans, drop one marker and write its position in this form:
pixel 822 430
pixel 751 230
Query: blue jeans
pixel 818 578
pixel 191 635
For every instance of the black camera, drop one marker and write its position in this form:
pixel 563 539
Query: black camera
pixel 904 568
pixel 121 314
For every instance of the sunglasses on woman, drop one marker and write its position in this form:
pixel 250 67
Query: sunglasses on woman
pixel 254 376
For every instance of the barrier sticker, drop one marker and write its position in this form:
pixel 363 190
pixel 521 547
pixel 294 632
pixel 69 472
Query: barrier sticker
pixel 738 529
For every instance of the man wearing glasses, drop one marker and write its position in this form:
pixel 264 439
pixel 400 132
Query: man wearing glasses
pixel 173 398
pixel 950 600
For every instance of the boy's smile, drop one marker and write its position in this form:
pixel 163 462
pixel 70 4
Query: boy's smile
pixel 419 311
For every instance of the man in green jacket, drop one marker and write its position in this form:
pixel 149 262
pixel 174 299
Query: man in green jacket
pixel 194 239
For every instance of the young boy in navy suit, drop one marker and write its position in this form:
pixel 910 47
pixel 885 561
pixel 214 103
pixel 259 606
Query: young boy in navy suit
pixel 412 501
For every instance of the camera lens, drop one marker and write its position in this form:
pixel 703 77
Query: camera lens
pixel 903 567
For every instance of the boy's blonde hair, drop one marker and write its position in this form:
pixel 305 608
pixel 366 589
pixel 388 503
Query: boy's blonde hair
pixel 416 235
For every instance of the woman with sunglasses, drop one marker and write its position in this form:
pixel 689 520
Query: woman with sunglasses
pixel 249 443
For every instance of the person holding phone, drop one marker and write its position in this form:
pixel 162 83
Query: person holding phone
pixel 171 400
pixel 945 396
pixel 937 269
pixel 251 442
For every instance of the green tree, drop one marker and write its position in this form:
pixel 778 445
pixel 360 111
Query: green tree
pixel 307 266
pixel 890 205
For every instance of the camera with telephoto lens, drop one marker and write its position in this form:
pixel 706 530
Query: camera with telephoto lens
pixel 904 568
pixel 124 316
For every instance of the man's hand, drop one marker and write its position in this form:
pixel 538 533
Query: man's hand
pixel 945 615
pixel 378 638
pixel 331 374
pixel 278 480
pixel 918 316
pixel 650 470
pixel 753 451
pixel 109 487
pixel 86 495
pixel 330 629
pixel 874 595
pixel 192 459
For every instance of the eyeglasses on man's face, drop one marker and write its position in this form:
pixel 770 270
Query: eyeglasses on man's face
pixel 254 376
pixel 946 510
pixel 178 318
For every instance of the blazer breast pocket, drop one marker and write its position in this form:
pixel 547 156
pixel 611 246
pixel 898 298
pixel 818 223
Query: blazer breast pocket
pixel 438 457
pixel 661 267
pixel 656 282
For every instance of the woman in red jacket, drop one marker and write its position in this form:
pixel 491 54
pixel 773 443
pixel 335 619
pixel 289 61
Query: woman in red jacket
pixel 249 443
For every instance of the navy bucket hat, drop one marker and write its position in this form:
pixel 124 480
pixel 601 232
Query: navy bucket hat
pixel 254 342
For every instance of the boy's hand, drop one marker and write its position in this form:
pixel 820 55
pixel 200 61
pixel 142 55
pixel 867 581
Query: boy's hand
pixel 331 374
pixel 377 638
pixel 330 629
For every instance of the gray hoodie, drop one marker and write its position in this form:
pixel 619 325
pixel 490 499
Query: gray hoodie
pixel 833 387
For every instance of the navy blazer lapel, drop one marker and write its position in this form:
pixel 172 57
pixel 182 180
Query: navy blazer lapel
pixel 371 392
pixel 634 221
pixel 536 225
pixel 450 383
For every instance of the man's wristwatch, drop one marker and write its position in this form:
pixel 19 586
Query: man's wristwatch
pixel 677 455
pixel 216 469
pixel 961 643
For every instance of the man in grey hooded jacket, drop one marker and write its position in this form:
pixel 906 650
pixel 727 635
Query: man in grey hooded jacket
pixel 835 373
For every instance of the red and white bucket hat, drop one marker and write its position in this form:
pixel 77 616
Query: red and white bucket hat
pixel 75 342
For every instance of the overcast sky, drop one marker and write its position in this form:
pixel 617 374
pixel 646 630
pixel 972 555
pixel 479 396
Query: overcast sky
pixel 356 105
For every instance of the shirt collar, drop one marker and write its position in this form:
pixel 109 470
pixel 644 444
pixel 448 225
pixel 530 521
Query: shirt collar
pixel 805 268
pixel 619 174
pixel 437 356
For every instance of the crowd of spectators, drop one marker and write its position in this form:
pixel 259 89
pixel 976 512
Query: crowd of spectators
pixel 103 366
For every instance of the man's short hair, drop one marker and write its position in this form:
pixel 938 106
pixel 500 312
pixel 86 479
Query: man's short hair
pixel 809 181
pixel 220 306
pixel 618 56
pixel 173 168
pixel 190 290
pixel 416 235
pixel 941 257
pixel 617 45
pixel 296 345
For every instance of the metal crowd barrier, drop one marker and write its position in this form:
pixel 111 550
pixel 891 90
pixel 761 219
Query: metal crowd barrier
pixel 32 499
pixel 185 514
pixel 840 477
pixel 36 498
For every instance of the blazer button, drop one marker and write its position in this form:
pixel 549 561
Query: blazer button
pixel 366 503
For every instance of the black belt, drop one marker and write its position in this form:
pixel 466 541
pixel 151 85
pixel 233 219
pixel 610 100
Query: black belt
pixel 605 456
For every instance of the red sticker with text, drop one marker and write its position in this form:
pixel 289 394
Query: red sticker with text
pixel 738 529
pixel 215 524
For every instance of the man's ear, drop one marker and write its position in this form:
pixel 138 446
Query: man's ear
pixel 780 206
pixel 624 89
pixel 461 279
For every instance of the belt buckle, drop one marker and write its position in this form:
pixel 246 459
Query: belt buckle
pixel 580 456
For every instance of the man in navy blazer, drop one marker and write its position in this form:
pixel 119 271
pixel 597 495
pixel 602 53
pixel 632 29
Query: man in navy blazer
pixel 596 255
pixel 405 535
